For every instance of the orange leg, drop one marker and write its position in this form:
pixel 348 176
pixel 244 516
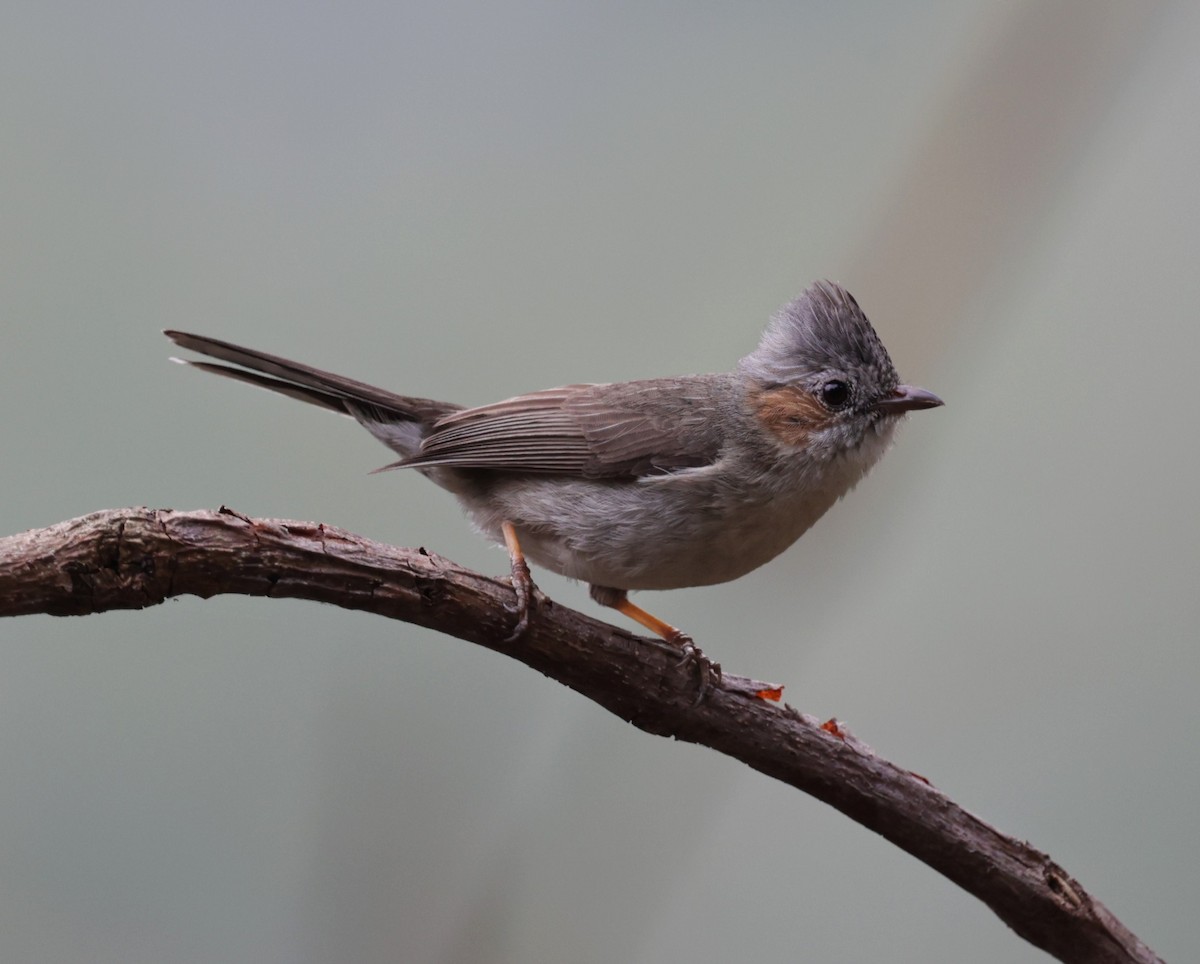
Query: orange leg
pixel 522 581
pixel 652 622
pixel 618 599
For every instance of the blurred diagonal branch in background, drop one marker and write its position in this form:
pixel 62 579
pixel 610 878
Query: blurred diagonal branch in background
pixel 135 558
pixel 977 187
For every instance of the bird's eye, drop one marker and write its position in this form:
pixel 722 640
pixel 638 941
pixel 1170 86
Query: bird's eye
pixel 835 393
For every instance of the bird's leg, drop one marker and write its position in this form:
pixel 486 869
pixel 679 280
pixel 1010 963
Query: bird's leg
pixel 522 581
pixel 618 599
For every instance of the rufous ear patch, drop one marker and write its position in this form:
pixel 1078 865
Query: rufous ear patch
pixel 790 414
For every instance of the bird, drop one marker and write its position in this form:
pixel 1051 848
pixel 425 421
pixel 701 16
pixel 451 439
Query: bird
pixel 655 484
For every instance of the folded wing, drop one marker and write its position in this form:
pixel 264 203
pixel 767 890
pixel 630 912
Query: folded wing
pixel 616 431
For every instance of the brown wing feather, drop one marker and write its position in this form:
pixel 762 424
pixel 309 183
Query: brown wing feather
pixel 624 430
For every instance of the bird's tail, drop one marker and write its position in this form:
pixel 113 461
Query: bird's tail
pixel 399 421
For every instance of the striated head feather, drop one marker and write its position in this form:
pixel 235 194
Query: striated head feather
pixel 823 330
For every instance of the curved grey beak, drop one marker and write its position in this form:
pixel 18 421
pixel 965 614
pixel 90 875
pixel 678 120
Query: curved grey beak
pixel 907 398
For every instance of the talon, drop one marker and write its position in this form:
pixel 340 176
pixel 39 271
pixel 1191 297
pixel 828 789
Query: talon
pixel 689 652
pixel 523 588
pixel 520 629
pixel 708 673
pixel 522 584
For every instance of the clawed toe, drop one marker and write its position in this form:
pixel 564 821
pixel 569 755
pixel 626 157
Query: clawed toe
pixel 522 584
pixel 521 628
pixel 708 673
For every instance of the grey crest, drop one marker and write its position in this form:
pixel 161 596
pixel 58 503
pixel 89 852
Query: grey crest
pixel 822 330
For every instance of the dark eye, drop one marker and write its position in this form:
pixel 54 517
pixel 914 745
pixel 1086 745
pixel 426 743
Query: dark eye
pixel 835 393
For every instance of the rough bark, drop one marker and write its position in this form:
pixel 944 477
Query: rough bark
pixel 134 558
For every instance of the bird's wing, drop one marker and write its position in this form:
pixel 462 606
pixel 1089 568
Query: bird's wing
pixel 617 431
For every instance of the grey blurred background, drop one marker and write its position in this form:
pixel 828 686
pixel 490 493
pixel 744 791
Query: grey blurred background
pixel 479 199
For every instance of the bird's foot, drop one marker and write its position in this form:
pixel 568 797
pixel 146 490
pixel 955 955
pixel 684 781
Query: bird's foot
pixel 522 581
pixel 708 673
pixel 523 588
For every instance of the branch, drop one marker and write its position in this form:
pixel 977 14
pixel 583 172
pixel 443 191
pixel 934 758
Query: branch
pixel 134 558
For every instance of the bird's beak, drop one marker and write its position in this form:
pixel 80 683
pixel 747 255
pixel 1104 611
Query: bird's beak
pixel 907 398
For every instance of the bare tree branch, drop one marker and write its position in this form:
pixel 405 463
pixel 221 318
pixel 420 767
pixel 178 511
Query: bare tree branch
pixel 134 558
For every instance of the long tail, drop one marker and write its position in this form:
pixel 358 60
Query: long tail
pixel 399 421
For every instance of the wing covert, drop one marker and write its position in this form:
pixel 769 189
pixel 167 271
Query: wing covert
pixel 613 431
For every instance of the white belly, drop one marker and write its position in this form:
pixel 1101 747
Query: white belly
pixel 691 528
